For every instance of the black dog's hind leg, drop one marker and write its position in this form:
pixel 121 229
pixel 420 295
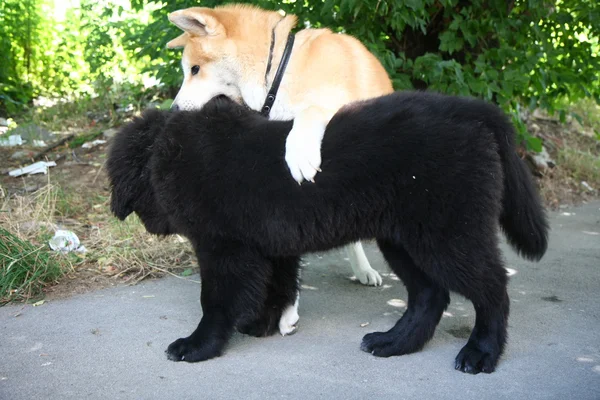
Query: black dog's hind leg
pixel 491 302
pixel 426 303
pixel 282 293
pixel 235 281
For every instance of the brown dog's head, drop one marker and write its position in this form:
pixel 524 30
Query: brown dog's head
pixel 129 173
pixel 225 51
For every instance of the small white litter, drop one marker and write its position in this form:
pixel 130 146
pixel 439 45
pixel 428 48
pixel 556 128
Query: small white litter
pixel 40 167
pixel 11 141
pixel 89 145
pixel 66 241
pixel 587 186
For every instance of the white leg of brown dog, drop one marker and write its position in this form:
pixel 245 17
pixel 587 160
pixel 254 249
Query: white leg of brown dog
pixel 360 266
pixel 303 145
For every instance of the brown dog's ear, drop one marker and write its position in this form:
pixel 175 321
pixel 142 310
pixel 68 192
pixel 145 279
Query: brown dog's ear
pixel 179 41
pixel 197 21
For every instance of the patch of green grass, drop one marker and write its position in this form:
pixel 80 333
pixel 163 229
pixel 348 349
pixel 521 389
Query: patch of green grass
pixel 81 139
pixel 25 269
pixel 87 111
pixel 69 204
pixel 64 114
pixel 583 165
pixel 587 111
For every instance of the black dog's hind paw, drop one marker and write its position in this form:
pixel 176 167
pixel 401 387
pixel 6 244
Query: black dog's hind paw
pixel 186 349
pixel 258 328
pixel 472 360
pixel 265 325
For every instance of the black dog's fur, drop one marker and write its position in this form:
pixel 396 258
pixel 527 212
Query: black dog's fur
pixel 431 177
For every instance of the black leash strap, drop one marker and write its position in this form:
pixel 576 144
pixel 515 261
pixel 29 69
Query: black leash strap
pixel 287 52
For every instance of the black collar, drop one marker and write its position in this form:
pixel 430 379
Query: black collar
pixel 285 57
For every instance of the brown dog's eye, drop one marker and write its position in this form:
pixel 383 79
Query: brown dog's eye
pixel 195 69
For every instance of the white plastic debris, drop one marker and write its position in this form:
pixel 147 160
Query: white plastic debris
pixel 40 167
pixel 66 241
pixel 591 233
pixel 11 141
pixel 587 186
pixel 89 145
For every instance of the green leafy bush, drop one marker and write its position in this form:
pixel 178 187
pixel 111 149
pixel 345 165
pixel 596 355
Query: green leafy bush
pixel 68 52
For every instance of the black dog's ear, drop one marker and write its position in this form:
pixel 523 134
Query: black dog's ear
pixel 121 202
pixel 128 160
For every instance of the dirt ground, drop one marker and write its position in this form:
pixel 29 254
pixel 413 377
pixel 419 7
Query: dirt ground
pixel 79 174
pixel 85 198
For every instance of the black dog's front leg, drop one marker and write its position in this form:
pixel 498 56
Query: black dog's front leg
pixel 234 290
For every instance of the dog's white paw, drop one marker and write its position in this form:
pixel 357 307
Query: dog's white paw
pixel 369 277
pixel 361 267
pixel 289 320
pixel 303 152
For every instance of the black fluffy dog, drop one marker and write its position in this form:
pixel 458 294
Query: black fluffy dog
pixel 431 177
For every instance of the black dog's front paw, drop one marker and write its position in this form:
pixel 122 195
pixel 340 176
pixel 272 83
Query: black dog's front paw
pixel 380 344
pixel 395 342
pixel 187 349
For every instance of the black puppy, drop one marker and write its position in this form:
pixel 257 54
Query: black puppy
pixel 431 177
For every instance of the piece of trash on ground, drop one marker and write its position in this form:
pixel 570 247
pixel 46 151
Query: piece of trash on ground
pixel 40 167
pixel 109 133
pixel 587 186
pixel 89 145
pixel 39 303
pixel 66 241
pixel 397 303
pixel 11 141
pixel 364 324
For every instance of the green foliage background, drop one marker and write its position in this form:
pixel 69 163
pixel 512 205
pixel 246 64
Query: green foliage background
pixel 519 53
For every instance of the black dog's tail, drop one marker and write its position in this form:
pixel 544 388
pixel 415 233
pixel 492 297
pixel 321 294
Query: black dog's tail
pixel 523 218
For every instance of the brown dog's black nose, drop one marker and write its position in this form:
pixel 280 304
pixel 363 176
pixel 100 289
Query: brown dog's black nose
pixel 174 107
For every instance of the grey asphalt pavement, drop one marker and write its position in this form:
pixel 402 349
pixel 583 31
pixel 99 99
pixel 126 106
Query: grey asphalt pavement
pixel 110 344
